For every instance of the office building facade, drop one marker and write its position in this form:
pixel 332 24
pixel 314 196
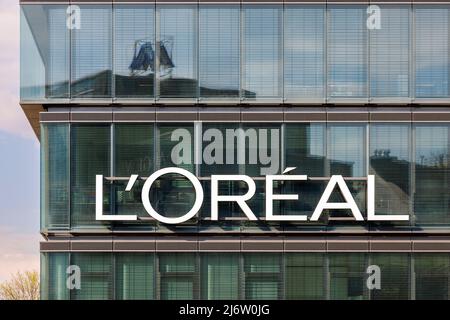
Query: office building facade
pixel 328 88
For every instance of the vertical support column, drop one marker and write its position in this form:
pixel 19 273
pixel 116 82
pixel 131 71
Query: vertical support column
pixel 156 83
pixel 327 275
pixel 413 278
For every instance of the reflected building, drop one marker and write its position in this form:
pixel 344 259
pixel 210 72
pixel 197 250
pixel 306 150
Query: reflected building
pixel 106 85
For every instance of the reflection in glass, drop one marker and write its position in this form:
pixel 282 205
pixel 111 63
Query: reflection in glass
pixel 432 168
pixel 134 51
pixel 389 53
pixel 177 52
pixel 219 51
pixel 347 57
pixel 92 53
pixel 390 162
pixel 44 52
pixel 304 51
pixel 346 147
pixel 432 51
pixel 262 54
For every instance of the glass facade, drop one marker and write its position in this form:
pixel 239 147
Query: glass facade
pixel 295 53
pixel 230 276
pixel 218 62
pixel 406 182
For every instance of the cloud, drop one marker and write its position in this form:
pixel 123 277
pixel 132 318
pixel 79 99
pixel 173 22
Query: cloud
pixel 16 253
pixel 12 118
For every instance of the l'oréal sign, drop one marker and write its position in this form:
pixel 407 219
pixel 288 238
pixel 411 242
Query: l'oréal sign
pixel 335 182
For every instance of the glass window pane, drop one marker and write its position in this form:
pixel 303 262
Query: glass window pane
pixel 134 51
pixel 90 156
pixel 220 276
pixel 92 53
pixel 304 51
pixel 348 276
pixel 44 52
pixel 305 148
pixel 432 275
pixel 390 162
pixel 219 51
pixel 262 54
pixel 55 176
pixel 175 146
pixel 135 276
pixel 262 276
pixel 133 154
pixel 432 51
pixel 347 150
pixel 394 271
pixel 96 276
pixel 219 149
pixel 54 276
pixel 177 52
pixel 305 276
pixel 178 276
pixel 347 56
pixel 432 167
pixel 133 148
pixel 389 53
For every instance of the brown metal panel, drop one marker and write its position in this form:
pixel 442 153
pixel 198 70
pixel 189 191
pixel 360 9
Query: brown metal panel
pixel 220 116
pixel 175 244
pixel 134 116
pixel 91 116
pixel 431 245
pixel 305 116
pixel 219 244
pixel 262 244
pixel 342 246
pixel 54 245
pixel 305 246
pixel 91 245
pixel 176 116
pixel 390 116
pixel 134 246
pixel 262 116
pixel 431 116
pixel 386 246
pixel 348 116
pixel 54 116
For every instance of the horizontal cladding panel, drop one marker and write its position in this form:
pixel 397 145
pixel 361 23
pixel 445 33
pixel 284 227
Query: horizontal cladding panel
pixel 231 1
pixel 245 116
pixel 223 244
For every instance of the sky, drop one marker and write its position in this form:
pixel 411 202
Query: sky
pixel 19 159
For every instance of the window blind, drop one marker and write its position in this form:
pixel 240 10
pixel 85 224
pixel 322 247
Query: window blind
pixel 389 53
pixel 96 276
pixel 55 176
pixel 261 49
pixel 134 50
pixel 134 276
pixel 92 53
pixel 90 156
pixel 219 50
pixel 304 51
